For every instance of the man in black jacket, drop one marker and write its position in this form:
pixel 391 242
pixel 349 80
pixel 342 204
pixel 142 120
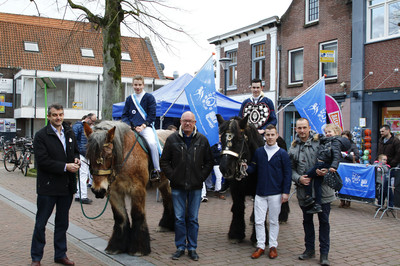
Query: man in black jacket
pixel 389 145
pixel 57 158
pixel 186 161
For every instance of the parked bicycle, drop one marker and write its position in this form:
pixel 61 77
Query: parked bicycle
pixel 19 155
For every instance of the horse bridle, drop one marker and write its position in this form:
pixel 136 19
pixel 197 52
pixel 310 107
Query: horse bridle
pixel 111 173
pixel 240 171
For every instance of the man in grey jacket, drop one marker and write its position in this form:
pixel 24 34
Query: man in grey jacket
pixel 303 155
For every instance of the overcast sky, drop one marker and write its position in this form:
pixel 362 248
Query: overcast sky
pixel 200 19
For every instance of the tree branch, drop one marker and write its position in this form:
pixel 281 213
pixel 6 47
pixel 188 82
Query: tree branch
pixel 90 16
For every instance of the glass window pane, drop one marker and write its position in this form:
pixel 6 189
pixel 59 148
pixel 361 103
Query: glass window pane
pixel 394 18
pixel 27 94
pixel 54 95
pixel 296 64
pixel 377 22
pixel 313 10
pixel 374 2
pixel 84 91
pixel 328 68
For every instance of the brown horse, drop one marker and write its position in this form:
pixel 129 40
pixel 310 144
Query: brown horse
pixel 120 168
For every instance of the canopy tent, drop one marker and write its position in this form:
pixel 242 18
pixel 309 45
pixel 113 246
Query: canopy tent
pixel 167 94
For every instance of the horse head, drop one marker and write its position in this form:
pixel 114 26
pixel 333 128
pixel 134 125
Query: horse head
pixel 100 152
pixel 239 141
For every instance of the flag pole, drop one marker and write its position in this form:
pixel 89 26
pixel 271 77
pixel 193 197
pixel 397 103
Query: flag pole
pixel 300 95
pixel 165 113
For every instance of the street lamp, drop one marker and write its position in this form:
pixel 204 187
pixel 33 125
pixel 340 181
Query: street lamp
pixel 225 65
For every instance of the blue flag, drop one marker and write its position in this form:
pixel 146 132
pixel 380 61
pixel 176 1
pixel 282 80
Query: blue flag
pixel 200 93
pixel 312 106
pixel 358 180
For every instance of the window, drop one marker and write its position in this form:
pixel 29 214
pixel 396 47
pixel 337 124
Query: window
pixel 232 70
pixel 125 56
pixel 312 11
pixel 258 61
pixel 87 52
pixel 383 19
pixel 328 59
pixel 296 66
pixel 31 47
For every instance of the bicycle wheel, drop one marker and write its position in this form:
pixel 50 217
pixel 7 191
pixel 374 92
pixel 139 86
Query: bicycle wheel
pixel 10 161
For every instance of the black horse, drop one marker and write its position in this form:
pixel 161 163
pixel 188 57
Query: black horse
pixel 239 141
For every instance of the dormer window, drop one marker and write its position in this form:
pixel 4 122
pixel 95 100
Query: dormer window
pixel 125 56
pixel 31 47
pixel 87 52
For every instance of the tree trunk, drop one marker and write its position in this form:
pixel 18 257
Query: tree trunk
pixel 112 89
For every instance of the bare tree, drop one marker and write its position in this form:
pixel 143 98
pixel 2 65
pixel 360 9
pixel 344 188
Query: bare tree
pixel 145 18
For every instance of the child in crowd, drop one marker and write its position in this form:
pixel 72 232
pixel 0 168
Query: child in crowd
pixel 329 156
pixel 382 177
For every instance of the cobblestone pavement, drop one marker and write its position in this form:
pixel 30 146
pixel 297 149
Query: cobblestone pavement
pixel 356 237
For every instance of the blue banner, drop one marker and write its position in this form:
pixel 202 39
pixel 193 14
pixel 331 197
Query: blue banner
pixel 312 106
pixel 201 96
pixel 358 180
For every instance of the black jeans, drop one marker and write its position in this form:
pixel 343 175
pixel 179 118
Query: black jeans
pixel 324 228
pixel 45 206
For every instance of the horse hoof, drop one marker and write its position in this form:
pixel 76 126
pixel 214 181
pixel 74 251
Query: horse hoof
pixel 235 241
pixel 162 229
pixel 112 252
pixel 136 254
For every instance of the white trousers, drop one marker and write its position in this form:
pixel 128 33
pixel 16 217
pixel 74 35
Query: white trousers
pixel 84 174
pixel 262 204
pixel 218 178
pixel 148 134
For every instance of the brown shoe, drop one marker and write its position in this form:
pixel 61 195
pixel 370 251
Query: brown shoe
pixel 342 203
pixel 64 261
pixel 35 263
pixel 273 253
pixel 257 253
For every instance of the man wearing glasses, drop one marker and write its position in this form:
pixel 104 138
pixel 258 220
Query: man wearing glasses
pixel 186 161
pixel 84 172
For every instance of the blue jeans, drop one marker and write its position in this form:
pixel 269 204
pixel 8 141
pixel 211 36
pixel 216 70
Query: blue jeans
pixel 324 228
pixel 186 228
pixel 45 206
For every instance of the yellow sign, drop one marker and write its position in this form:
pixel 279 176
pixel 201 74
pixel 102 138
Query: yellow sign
pixel 2 99
pixel 327 56
pixel 77 105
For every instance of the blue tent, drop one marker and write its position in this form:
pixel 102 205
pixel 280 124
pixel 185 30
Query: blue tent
pixel 167 94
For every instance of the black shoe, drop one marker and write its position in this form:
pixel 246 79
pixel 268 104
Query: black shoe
pixel 204 199
pixel 308 201
pixel 193 255
pixel 323 259
pixel 210 189
pixel 77 199
pixel 155 176
pixel 86 201
pixel 178 254
pixel 308 254
pixel 224 188
pixel 315 209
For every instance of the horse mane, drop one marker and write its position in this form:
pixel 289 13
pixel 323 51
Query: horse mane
pixel 98 138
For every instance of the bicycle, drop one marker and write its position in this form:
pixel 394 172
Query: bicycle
pixel 16 157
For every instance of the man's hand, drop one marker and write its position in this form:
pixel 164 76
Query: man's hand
pixel 140 128
pixel 305 180
pixel 322 172
pixel 285 197
pixel 77 161
pixel 72 167
pixel 261 131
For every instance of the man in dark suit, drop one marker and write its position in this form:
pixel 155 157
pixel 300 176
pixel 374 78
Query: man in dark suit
pixel 57 158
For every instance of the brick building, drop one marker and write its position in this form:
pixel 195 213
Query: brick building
pixel 70 53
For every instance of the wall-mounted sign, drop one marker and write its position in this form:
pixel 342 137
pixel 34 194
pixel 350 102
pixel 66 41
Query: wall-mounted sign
pixel 8 125
pixel 6 85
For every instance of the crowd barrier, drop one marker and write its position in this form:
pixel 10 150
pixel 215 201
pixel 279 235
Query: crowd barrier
pixel 390 189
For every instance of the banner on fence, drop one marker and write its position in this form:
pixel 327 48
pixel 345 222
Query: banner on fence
pixel 358 180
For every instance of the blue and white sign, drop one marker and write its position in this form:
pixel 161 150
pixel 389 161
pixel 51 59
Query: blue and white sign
pixel 312 106
pixel 358 180
pixel 202 100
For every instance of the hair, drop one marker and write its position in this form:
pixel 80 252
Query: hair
pixel 301 119
pixel 138 77
pixel 84 117
pixel 256 80
pixel 348 134
pixel 172 127
pixel 386 126
pixel 334 128
pixel 270 126
pixel 380 156
pixel 90 115
pixel 56 106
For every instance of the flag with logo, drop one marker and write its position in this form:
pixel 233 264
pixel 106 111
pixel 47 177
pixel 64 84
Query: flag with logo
pixel 358 180
pixel 201 96
pixel 311 105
